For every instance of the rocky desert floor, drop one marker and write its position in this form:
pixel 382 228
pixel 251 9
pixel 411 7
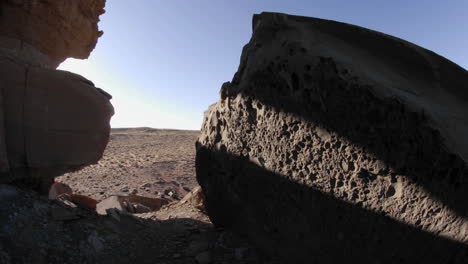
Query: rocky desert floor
pixel 142 161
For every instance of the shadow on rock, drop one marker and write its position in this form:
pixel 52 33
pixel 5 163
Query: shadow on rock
pixel 336 143
pixel 300 224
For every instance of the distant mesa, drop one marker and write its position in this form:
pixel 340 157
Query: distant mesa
pixel 51 121
pixel 337 143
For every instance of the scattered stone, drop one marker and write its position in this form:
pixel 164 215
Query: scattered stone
pixel 139 209
pixel 65 200
pixel 195 198
pixel 153 204
pixel 130 203
pixel 83 201
pixel 146 185
pixel 110 202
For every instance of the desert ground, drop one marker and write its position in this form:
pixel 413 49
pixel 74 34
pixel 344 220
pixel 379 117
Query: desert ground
pixel 143 161
pixel 160 163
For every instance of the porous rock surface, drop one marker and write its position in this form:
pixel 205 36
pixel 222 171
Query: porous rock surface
pixel 51 121
pixel 337 143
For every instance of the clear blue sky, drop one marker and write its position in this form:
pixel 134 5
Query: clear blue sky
pixel 164 60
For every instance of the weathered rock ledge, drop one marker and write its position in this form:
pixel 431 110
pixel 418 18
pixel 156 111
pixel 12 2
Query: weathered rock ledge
pixel 60 29
pixel 51 121
pixel 337 143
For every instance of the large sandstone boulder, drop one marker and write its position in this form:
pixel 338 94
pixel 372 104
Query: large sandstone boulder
pixel 336 143
pixel 60 29
pixel 51 121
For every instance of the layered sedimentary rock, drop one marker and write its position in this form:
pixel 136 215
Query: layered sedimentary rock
pixel 59 29
pixel 337 143
pixel 51 121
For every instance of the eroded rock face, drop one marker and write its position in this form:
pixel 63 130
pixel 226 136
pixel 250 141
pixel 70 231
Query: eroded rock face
pixel 337 143
pixel 59 29
pixel 51 121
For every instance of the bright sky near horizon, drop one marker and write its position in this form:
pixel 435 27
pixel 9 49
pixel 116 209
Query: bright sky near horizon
pixel 164 61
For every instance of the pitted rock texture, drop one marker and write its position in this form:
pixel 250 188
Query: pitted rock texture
pixel 59 29
pixel 337 143
pixel 51 121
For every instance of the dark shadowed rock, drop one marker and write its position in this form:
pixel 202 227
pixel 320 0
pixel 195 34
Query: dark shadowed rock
pixel 51 121
pixel 336 143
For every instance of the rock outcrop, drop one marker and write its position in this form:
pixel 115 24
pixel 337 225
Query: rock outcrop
pixel 59 29
pixel 51 121
pixel 337 143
